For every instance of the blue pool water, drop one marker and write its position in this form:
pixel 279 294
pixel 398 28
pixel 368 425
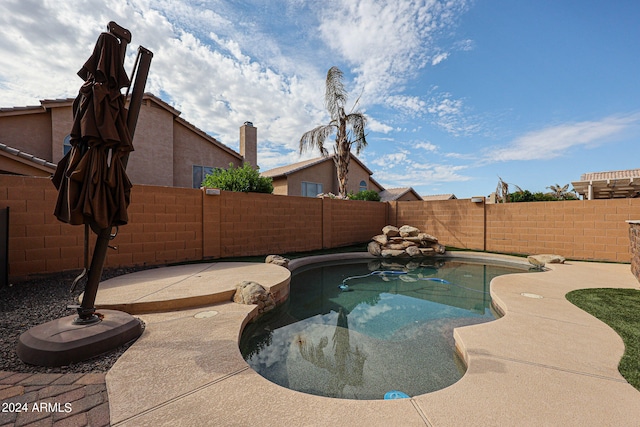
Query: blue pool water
pixel 358 330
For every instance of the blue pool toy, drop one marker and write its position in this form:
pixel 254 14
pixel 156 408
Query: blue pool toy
pixel 395 394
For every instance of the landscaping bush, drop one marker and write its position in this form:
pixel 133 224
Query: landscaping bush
pixel 527 196
pixel 369 195
pixel 244 179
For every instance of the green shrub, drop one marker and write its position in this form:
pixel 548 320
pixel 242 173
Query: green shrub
pixel 244 179
pixel 521 196
pixel 369 195
pixel 527 196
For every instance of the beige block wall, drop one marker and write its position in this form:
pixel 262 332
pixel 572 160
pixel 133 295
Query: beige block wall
pixel 152 161
pixel 457 223
pixel 352 221
pixel 191 149
pixel 260 224
pixel 165 226
pixel 579 229
pixel 179 224
pixel 30 133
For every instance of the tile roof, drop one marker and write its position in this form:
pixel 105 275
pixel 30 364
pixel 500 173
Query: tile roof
pixel 295 167
pixel 28 157
pixel 449 196
pixel 391 194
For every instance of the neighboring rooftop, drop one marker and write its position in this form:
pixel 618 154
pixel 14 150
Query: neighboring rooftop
pixel 295 167
pixel 434 197
pixel 26 159
pixel 393 194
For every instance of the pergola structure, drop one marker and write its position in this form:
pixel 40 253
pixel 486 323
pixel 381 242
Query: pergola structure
pixel 609 185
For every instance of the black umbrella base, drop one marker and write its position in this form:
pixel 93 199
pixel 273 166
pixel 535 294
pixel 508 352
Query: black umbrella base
pixel 61 342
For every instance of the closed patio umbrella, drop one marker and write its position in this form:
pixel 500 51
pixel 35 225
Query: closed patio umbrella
pixel 92 184
pixel 93 187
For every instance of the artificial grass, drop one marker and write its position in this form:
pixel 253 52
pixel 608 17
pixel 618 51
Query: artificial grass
pixel 620 309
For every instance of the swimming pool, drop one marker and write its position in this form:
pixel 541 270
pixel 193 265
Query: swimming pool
pixel 359 329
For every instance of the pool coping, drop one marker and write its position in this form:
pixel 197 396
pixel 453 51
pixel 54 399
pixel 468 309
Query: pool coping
pixel 544 362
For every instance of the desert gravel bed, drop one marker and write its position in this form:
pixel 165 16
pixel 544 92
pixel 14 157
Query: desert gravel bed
pixel 38 300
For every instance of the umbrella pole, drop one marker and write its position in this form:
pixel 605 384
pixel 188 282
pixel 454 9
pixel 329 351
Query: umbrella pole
pixel 86 310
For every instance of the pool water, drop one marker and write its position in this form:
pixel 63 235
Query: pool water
pixel 357 330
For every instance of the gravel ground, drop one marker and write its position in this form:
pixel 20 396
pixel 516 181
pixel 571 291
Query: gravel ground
pixel 39 300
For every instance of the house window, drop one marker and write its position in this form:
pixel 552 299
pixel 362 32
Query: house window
pixel 66 145
pixel 311 189
pixel 363 185
pixel 199 173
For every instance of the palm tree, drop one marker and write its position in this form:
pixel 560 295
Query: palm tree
pixel 502 191
pixel 348 128
pixel 561 193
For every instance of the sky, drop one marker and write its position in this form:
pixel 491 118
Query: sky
pixel 457 93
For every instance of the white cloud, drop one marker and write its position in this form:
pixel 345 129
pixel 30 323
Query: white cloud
pixel 376 126
pixel 386 41
pixel 439 58
pixel 427 146
pixel 410 105
pixel 391 160
pixel 559 140
pixel 450 115
pixel 220 63
pixel 465 45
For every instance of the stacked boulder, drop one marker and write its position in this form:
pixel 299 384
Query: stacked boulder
pixel 406 241
pixel 248 292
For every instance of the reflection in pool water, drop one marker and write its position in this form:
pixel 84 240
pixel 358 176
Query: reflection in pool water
pixel 347 333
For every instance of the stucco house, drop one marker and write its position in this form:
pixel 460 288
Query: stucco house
pixel 169 151
pixel 311 177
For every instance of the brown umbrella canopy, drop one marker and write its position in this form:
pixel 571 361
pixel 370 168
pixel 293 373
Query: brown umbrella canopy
pixel 92 184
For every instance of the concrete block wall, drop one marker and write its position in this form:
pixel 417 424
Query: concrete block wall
pixel 165 226
pixel 586 230
pixel 458 223
pixel 168 225
pixel 38 242
pixel 259 224
pixel 349 222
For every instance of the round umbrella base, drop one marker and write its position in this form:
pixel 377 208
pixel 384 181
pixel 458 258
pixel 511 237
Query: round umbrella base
pixel 62 342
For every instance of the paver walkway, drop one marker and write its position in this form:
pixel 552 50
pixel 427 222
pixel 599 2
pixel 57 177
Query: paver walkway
pixel 53 400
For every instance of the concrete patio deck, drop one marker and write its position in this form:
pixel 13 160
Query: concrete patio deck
pixel 546 362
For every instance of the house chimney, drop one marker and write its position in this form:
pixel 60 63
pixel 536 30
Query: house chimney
pixel 249 143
